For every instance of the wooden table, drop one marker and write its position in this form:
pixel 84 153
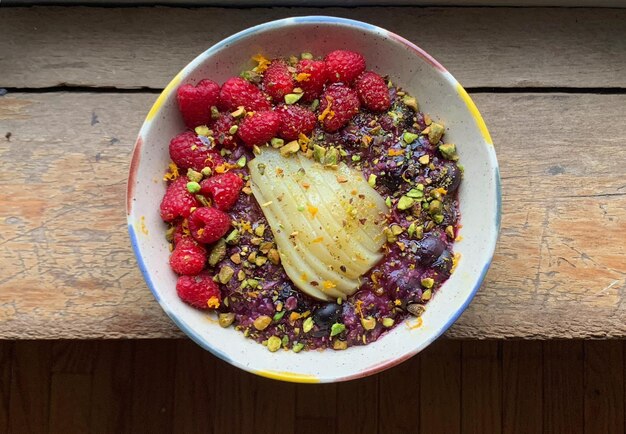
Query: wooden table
pixel 551 84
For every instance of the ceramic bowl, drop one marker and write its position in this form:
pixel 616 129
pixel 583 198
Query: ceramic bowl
pixel 439 94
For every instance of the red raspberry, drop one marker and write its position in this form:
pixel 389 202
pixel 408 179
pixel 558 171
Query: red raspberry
pixel 177 201
pixel 344 66
pixel 239 92
pixel 195 102
pixel 373 92
pixel 313 84
pixel 277 80
pixel 188 151
pixel 179 233
pixel 199 291
pixel 344 103
pixel 188 257
pixel 259 128
pixel 295 119
pixel 221 129
pixel 208 225
pixel 224 189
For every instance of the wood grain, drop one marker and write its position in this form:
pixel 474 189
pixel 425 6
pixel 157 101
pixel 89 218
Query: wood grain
pixel 481 398
pixel 484 47
pixel 604 387
pixel 6 359
pixel 357 406
pixel 563 387
pixel 559 269
pixel 522 392
pixel 400 384
pixel 316 408
pixel 440 388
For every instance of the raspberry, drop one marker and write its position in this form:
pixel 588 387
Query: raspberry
pixel 221 131
pixel 179 233
pixel 344 103
pixel 195 102
pixel 177 201
pixel 344 66
pixel 199 291
pixel 259 128
pixel 277 81
pixel 294 119
pixel 188 258
pixel 373 92
pixel 237 92
pixel 188 151
pixel 208 225
pixel 313 84
pixel 224 189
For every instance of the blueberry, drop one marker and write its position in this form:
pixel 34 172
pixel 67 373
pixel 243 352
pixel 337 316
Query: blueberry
pixel 430 248
pixel 450 177
pixel 443 264
pixel 405 283
pixel 327 315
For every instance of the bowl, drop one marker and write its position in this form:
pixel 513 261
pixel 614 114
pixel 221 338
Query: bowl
pixel 438 93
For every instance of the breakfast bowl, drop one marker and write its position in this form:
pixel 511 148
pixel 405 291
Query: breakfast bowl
pixel 438 93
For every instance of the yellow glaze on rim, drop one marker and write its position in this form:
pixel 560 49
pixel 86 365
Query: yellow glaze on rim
pixel 475 113
pixel 161 99
pixel 288 376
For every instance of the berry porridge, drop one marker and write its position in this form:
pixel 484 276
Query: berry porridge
pixel 310 203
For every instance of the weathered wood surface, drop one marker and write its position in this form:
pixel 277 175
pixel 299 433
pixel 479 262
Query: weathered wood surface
pixel 145 47
pixel 67 270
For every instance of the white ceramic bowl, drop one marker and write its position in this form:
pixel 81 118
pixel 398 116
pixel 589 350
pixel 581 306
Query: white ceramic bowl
pixel 439 94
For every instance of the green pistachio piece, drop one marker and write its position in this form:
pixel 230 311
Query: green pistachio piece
pixel 435 132
pixel 405 202
pixel 226 273
pixel 318 153
pixel 448 150
pixel 410 101
pixel 206 171
pixel 307 325
pixel 396 229
pixel 290 148
pixel 251 76
pixel 253 283
pixel 388 322
pixel 427 282
pixel 276 142
pixel 332 157
pixel 307 56
pixel 336 328
pixel 388 202
pixel 297 347
pixel 239 112
pixel 368 323
pixel 315 104
pixel 203 200
pixel 232 237
pixel 233 129
pixel 259 230
pixel 215 113
pixel 435 207
pixel 438 218
pixel 193 187
pixel 274 343
pixel 356 158
pixel 194 176
pixel 278 316
pixel 203 130
pixel 262 322
pixel 372 180
pixel 339 345
pixel 426 295
pixel 242 161
pixel 409 137
pixel 415 193
pixel 411 229
pixel 292 98
pixel 218 252
pixel 226 319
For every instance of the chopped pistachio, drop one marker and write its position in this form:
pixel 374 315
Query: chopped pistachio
pixel 332 157
pixel 448 150
pixel 315 104
pixel 388 322
pixel 252 257
pixel 253 283
pixel 415 193
pixel 405 202
pixel 307 325
pixel 256 241
pixel 372 180
pixel 194 176
pixel 318 153
pixel 215 113
pixel 307 56
pixel 411 229
pixel 336 329
pixel 203 130
pixel 292 98
pixel 232 237
pixel 262 322
pixel 274 343
pixel 356 158
pixel 169 234
pixel 226 273
pixel 278 316
pixel 427 282
pixel 301 208
pixel 435 132
pixel 368 323
pixel 193 187
pixel 339 345
pixel 424 159
pixel 435 207
pixel 391 238
pixel 273 256
pixel 261 168
pixel 438 218
pixel 396 229
pixel 297 347
pixel 265 247
pixel 241 275
pixel 251 76
pixel 226 319
pixel 206 171
pixel 416 309
pixel 256 150
pixel 427 294
pixel 410 101
pixel 409 137
pixel 242 161
pixel 259 230
pixel 239 112
pixel 285 341
pixel 236 258
pixel 218 252
pixel 233 129
pixel 388 202
pixel 450 232
pixel 420 187
pixel 260 261
pixel 290 148
pixel 276 142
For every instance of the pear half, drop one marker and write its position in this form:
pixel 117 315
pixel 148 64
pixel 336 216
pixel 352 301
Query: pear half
pixel 327 223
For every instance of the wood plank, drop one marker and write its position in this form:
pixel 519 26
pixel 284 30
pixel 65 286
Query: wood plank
pixel 481 387
pixel 557 257
pixel 522 392
pixel 70 386
pixel 6 365
pixel 111 392
pixel 357 406
pixel 481 47
pixel 234 411
pixel 400 384
pixel 440 388
pixel 563 389
pixel 604 387
pixel 316 408
pixel 154 367
pixel 30 387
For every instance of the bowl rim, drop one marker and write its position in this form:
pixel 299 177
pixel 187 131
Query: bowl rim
pixel 344 22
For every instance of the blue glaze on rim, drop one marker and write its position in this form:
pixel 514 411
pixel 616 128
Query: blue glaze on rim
pixel 314 19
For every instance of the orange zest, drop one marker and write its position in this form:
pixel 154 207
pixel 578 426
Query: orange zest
pixel 327 113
